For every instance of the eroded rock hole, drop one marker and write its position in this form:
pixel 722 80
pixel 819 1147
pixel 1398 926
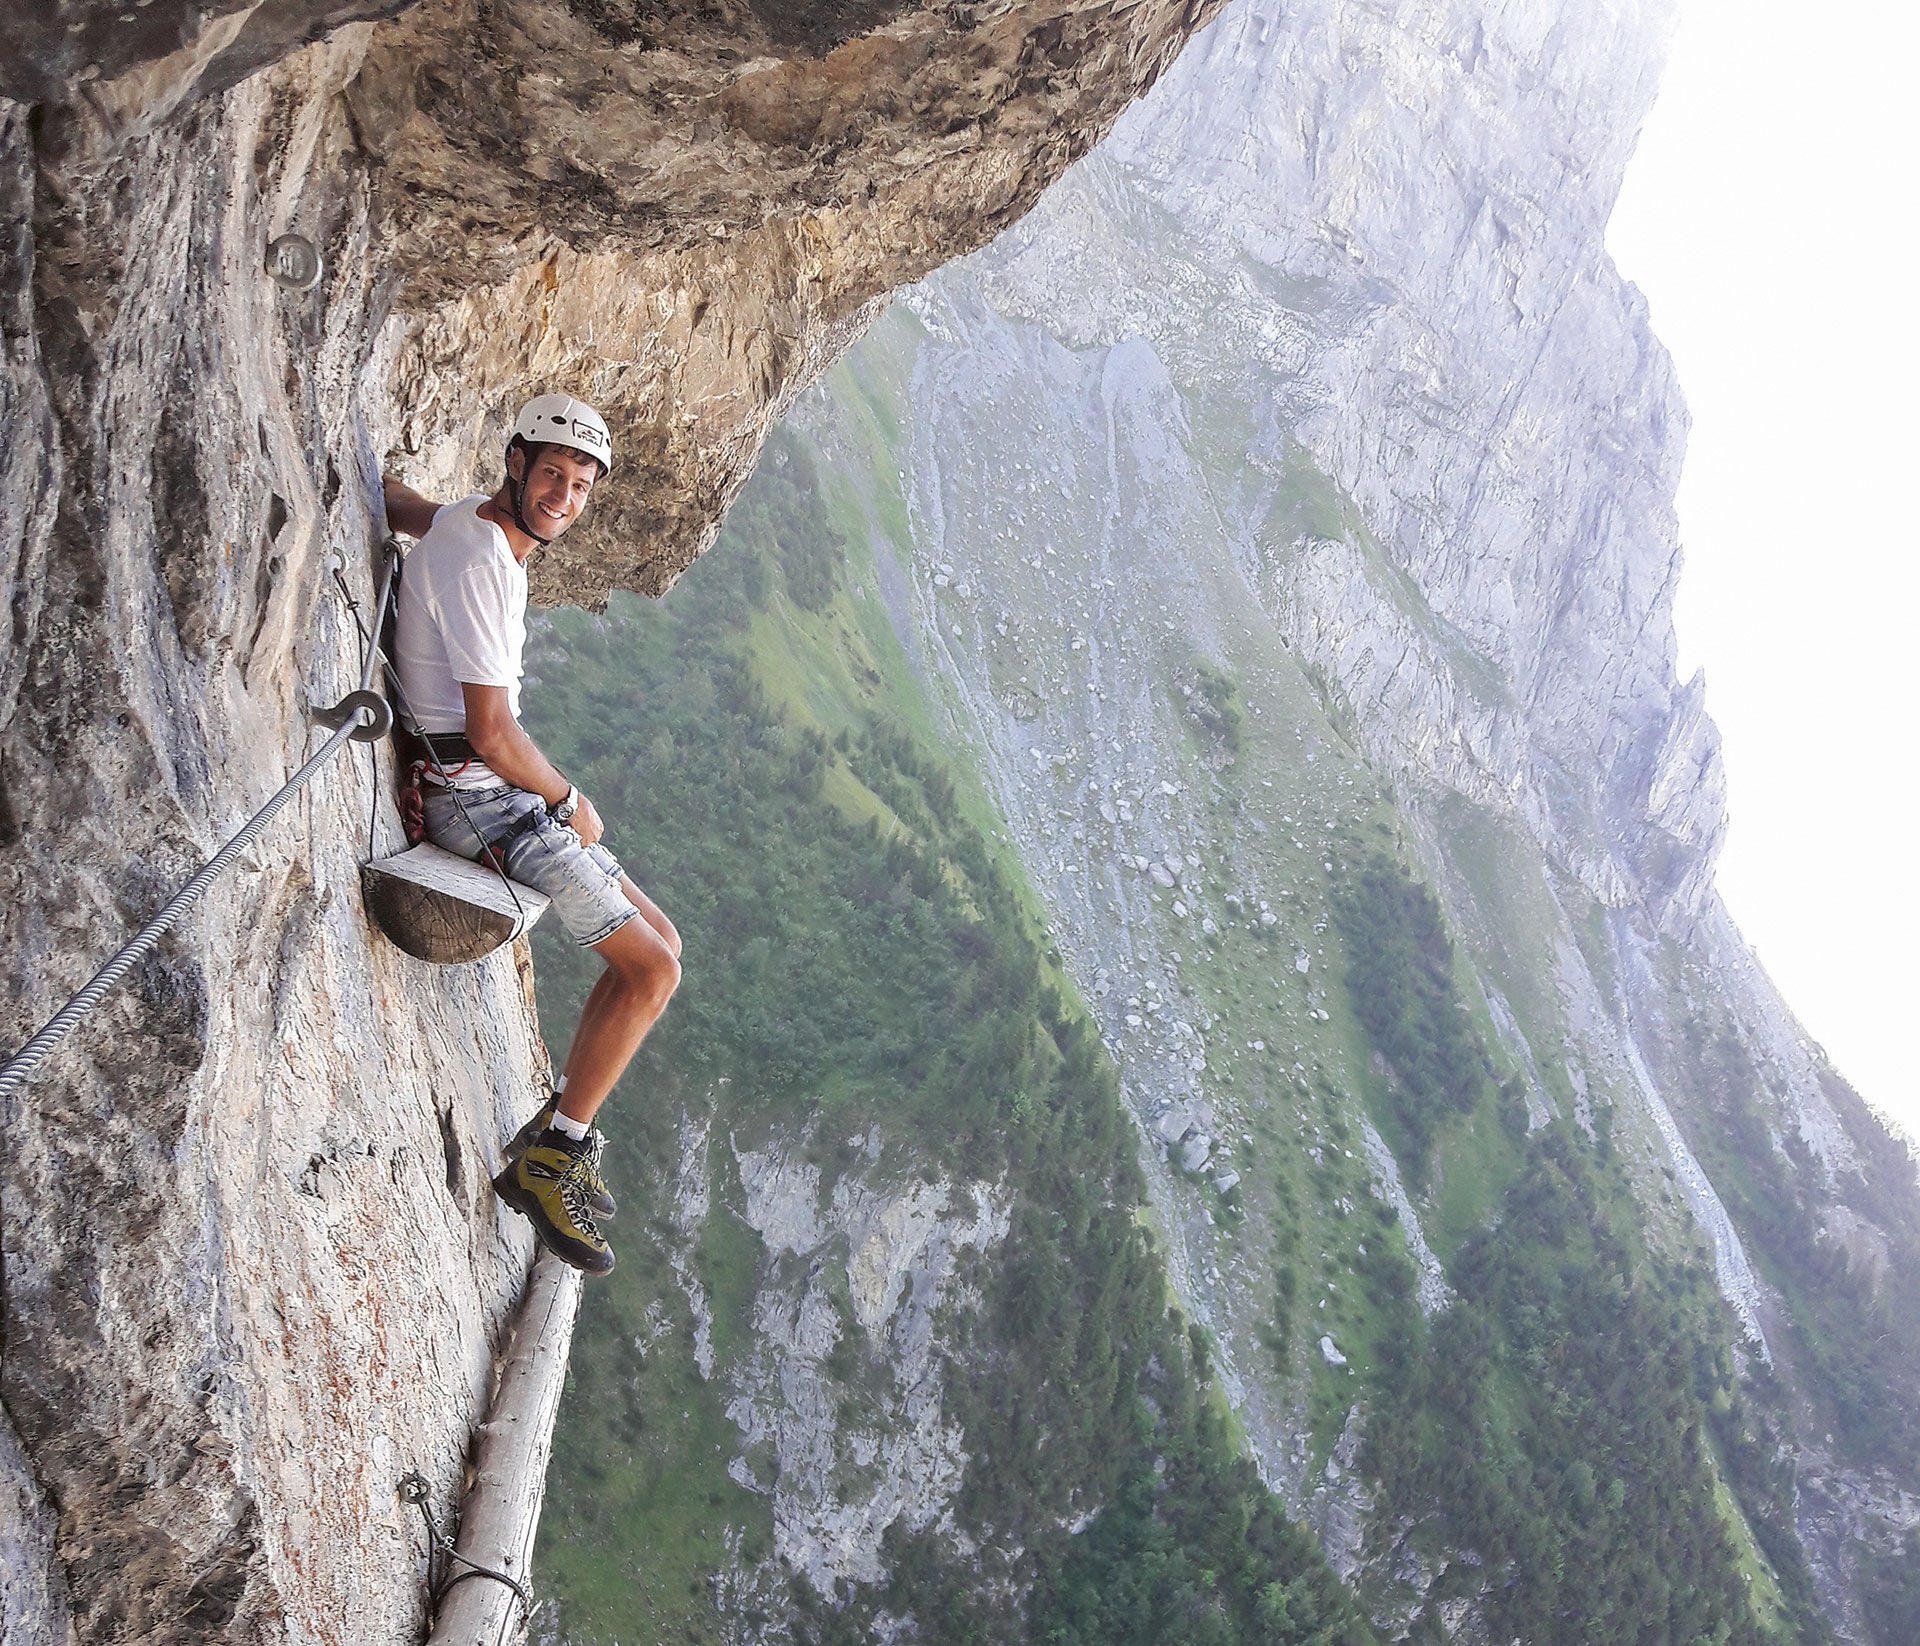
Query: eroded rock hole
pixel 456 1168
pixel 9 819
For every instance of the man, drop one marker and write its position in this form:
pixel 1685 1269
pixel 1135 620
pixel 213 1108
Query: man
pixel 488 791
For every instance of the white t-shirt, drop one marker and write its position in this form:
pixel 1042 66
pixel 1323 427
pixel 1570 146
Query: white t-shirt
pixel 461 619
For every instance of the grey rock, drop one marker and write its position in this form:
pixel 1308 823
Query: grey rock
pixel 837 1492
pixel 1437 445
pixel 1173 1125
pixel 254 1272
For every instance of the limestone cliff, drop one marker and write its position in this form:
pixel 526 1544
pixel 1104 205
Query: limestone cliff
pixel 1316 381
pixel 251 1270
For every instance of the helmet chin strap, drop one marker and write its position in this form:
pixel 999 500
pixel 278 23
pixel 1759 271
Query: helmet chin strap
pixel 518 490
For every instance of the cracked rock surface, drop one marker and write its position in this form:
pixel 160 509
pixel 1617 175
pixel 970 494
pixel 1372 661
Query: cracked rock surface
pixel 252 1271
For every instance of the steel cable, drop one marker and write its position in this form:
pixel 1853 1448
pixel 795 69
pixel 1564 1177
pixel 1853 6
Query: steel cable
pixel 21 1065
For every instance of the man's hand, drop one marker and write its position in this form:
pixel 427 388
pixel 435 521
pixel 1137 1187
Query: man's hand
pixel 407 510
pixel 586 823
pixel 502 742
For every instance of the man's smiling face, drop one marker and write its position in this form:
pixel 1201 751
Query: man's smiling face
pixel 558 483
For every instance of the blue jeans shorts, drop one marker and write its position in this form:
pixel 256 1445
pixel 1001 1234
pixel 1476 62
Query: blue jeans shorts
pixel 582 881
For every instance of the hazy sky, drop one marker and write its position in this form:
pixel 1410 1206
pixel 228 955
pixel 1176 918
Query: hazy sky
pixel 1769 215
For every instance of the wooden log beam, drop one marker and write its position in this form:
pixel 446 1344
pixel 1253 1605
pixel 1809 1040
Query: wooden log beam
pixel 501 1511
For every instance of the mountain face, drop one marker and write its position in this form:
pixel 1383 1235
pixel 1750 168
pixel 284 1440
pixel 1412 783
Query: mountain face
pixel 253 1274
pixel 1213 1097
pixel 1270 543
pixel 1356 398
pixel 1411 284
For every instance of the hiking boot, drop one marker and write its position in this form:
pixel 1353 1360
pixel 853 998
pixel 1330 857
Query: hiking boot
pixel 600 1199
pixel 547 1186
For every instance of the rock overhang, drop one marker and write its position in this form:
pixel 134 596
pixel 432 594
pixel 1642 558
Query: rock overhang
pixel 680 212
pixel 687 221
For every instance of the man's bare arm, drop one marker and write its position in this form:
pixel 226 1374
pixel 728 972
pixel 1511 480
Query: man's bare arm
pixel 502 742
pixel 407 510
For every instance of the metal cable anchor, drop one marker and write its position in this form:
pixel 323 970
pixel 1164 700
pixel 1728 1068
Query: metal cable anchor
pixel 413 1488
pixel 374 712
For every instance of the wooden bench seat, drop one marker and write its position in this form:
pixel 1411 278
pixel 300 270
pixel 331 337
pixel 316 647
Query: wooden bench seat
pixel 441 907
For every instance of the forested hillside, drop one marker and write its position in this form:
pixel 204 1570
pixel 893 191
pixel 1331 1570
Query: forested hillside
pixel 872 991
pixel 868 980
pixel 1208 1027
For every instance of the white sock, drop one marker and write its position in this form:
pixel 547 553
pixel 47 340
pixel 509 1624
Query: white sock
pixel 566 1126
pixel 560 1086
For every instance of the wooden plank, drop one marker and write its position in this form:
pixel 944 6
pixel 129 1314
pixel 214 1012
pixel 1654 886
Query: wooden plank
pixel 501 1511
pixel 441 907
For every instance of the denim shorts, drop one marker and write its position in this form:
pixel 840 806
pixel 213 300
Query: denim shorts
pixel 582 881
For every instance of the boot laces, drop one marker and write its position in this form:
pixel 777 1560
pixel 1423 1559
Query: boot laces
pixel 579 1180
pixel 587 1166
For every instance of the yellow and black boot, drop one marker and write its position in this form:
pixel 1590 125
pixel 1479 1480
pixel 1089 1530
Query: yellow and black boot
pixel 547 1186
pixel 600 1199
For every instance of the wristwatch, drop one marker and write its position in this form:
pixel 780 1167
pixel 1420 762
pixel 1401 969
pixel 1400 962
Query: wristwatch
pixel 563 813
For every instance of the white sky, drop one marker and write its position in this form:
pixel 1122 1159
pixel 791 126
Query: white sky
pixel 1770 217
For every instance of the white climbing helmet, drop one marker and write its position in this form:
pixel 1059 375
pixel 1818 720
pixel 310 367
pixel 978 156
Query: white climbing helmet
pixel 561 420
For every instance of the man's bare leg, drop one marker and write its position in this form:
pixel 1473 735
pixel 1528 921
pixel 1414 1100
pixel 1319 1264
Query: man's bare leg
pixel 650 912
pixel 643 970
pixel 553 1178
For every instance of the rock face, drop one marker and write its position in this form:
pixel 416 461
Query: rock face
pixel 252 1271
pixel 887 1262
pixel 1413 283
pixel 1317 376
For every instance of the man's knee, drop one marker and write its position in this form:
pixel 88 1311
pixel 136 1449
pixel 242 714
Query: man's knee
pixel 663 929
pixel 641 958
pixel 666 975
pixel 652 914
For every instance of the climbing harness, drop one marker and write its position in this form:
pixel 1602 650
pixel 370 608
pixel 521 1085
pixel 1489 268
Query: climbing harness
pixel 440 1549
pixel 454 744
